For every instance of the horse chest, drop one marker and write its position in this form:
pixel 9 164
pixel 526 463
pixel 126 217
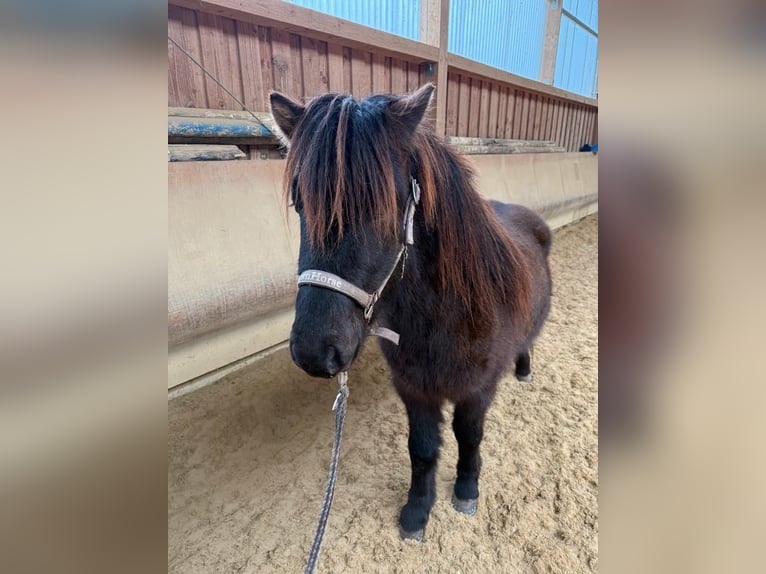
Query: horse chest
pixel 438 369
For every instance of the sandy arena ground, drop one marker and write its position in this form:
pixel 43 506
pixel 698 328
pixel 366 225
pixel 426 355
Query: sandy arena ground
pixel 248 461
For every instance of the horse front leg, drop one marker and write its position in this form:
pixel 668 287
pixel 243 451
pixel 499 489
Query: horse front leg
pixel 468 424
pixel 424 443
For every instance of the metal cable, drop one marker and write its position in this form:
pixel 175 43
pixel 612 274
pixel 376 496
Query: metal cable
pixel 340 417
pixel 224 88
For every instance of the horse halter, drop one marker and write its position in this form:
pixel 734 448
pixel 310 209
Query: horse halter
pixel 317 278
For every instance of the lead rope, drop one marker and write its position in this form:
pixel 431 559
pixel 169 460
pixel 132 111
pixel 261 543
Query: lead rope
pixel 339 406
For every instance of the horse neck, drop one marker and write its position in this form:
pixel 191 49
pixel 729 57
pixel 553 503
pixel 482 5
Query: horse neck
pixel 480 262
pixel 416 299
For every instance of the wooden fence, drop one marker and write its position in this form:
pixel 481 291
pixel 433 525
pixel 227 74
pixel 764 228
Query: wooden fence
pixel 255 46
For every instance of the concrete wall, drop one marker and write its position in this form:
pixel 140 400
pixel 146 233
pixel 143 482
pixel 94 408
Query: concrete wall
pixel 561 187
pixel 233 248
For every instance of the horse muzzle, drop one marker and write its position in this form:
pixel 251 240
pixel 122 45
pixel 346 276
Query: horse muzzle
pixel 321 357
pixel 325 343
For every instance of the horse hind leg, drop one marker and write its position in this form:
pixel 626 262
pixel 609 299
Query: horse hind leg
pixel 523 367
pixel 424 442
pixel 468 425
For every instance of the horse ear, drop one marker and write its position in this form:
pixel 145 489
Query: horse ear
pixel 411 108
pixel 286 113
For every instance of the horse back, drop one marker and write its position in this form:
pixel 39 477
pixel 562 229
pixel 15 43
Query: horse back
pixel 523 225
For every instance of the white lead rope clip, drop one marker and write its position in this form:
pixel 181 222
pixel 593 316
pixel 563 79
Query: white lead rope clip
pixel 343 385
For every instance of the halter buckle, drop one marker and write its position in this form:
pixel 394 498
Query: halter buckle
pixel 409 216
pixel 415 191
pixel 370 306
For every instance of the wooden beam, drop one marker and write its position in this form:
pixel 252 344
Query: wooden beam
pixel 502 149
pixel 457 140
pixel 551 42
pixel 214 128
pixel 202 152
pixel 430 18
pixel 434 29
pixel 483 146
pixel 202 125
pixel 264 117
pixel 298 20
pixel 464 65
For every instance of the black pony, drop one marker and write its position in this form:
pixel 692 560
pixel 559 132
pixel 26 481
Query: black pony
pixel 467 294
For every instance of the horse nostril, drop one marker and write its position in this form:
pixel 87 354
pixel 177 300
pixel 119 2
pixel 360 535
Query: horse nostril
pixel 320 357
pixel 334 363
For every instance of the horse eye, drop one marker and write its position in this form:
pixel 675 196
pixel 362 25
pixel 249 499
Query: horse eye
pixel 295 200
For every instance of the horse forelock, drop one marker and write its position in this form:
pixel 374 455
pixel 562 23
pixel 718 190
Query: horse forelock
pixel 341 154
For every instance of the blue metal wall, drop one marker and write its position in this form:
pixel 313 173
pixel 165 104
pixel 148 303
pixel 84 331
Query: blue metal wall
pixel 577 57
pixel 501 33
pixel 400 17
pixel 584 10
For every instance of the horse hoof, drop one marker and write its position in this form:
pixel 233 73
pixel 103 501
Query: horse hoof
pixel 467 507
pixel 524 378
pixel 417 535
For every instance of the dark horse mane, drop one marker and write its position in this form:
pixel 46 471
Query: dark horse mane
pixel 340 167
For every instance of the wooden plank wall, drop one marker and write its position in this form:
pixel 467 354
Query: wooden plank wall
pixel 251 60
pixel 485 108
